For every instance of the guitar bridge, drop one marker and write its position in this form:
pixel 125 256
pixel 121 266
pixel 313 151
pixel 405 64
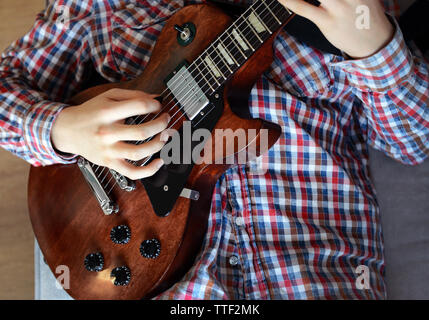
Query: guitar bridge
pixel 106 204
pixel 123 182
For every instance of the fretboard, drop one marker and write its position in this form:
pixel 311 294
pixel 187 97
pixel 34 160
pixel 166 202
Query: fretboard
pixel 237 44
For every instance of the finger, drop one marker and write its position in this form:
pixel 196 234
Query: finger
pixel 123 132
pixel 118 94
pixel 129 108
pixel 305 9
pixel 136 172
pixel 134 152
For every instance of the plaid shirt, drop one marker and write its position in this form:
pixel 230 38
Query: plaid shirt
pixel 300 229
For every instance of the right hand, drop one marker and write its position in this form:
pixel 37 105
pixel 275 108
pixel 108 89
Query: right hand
pixel 337 21
pixel 96 131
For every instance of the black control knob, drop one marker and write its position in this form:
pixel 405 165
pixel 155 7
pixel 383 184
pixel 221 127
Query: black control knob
pixel 120 234
pixel 122 276
pixel 150 248
pixel 94 262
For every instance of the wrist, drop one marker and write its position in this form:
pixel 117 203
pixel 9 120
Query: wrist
pixel 383 36
pixel 61 133
pixel 383 71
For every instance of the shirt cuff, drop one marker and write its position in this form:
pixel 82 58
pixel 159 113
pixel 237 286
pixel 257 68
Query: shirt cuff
pixel 37 134
pixel 383 71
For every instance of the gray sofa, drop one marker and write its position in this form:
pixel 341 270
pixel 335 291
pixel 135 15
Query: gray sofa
pixel 403 195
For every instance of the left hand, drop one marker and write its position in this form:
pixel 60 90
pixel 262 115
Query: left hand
pixel 337 21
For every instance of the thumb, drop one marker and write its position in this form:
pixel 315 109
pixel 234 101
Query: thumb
pixel 119 94
pixel 304 9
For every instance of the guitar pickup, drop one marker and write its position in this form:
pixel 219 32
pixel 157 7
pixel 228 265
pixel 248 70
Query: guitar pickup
pixel 190 194
pixel 187 92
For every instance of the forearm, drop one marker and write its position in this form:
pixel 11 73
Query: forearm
pixel 26 118
pixel 390 82
pixel 37 73
pixel 393 85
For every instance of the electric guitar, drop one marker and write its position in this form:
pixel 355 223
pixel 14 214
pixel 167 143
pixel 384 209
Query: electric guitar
pixel 124 239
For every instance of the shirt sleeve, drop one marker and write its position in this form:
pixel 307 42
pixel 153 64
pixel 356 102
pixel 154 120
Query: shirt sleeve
pixel 393 86
pixel 37 73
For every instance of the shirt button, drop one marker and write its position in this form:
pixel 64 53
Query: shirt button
pixel 239 221
pixel 233 260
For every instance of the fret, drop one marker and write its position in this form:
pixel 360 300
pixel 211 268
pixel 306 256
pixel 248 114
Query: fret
pixel 214 69
pixel 225 53
pixel 218 62
pixel 202 74
pixel 237 46
pixel 254 31
pixel 269 9
pixel 230 52
pixel 207 74
pixel 225 62
pixel 211 72
pixel 234 47
pixel 257 22
pixel 282 10
pixel 288 11
pixel 212 64
pixel 266 14
pixel 239 36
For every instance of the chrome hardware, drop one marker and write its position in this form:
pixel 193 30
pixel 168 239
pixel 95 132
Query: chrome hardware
pixel 187 92
pixel 106 204
pixel 123 182
pixel 190 194
pixel 185 33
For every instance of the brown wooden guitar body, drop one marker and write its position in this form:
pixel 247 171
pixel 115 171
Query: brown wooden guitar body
pixel 68 221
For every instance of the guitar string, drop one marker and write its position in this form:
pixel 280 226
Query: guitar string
pixel 222 69
pixel 252 32
pixel 170 94
pixel 227 47
pixel 206 84
pixel 234 47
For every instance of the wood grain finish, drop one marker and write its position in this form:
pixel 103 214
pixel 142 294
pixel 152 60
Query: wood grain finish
pixel 67 219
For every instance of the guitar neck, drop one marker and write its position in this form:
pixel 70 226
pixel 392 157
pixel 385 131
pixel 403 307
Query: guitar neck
pixel 238 42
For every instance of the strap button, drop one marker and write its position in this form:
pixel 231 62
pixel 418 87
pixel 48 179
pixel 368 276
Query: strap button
pixel 233 260
pixel 239 221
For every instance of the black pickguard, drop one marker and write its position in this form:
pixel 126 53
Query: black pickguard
pixel 174 176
